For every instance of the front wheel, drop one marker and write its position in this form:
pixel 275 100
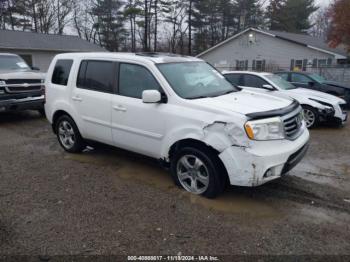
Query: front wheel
pixel 311 116
pixel 68 135
pixel 198 171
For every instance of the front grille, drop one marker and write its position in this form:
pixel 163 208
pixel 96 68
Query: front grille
pixel 22 81
pixel 292 125
pixel 21 85
pixel 21 89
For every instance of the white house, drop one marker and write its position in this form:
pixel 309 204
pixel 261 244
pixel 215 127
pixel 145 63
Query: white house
pixel 38 49
pixel 263 50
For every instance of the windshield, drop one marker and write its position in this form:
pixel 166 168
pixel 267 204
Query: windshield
pixel 11 62
pixel 193 80
pixel 318 78
pixel 280 82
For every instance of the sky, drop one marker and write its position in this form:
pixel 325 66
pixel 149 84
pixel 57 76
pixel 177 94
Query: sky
pixel 322 2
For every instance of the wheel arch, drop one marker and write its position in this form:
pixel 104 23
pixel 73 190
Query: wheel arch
pixel 56 116
pixel 190 142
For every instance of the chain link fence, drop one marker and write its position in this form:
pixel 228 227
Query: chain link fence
pixel 337 73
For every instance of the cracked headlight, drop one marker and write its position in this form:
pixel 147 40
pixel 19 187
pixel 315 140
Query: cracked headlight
pixel 265 129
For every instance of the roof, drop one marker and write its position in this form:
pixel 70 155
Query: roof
pixel 48 42
pixel 301 39
pixel 156 58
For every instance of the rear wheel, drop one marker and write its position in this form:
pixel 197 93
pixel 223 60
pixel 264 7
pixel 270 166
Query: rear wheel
pixel 311 116
pixel 68 135
pixel 198 171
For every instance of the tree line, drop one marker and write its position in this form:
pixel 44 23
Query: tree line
pixel 179 26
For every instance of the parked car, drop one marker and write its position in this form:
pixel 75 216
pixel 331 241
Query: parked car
pixel 316 82
pixel 317 106
pixel 176 109
pixel 21 87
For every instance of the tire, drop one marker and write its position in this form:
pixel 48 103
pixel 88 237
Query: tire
pixel 68 135
pixel 202 166
pixel 311 116
pixel 42 112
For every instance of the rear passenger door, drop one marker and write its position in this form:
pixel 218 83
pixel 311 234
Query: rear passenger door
pixel 92 98
pixel 137 126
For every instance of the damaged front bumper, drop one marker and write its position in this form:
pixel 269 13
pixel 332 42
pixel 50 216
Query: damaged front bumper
pixel 263 161
pixel 335 113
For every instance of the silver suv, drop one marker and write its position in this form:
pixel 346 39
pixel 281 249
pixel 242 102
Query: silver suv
pixel 21 87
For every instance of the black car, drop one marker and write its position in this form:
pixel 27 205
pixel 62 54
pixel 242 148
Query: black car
pixel 316 82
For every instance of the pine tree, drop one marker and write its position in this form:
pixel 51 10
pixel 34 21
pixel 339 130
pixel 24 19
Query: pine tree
pixel 109 23
pixel 250 14
pixel 291 15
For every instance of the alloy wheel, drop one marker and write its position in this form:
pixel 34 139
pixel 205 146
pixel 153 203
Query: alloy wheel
pixel 309 117
pixel 66 134
pixel 193 174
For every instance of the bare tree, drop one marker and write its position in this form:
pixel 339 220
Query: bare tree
pixel 321 23
pixel 62 9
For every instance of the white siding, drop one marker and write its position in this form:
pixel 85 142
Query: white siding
pixel 276 52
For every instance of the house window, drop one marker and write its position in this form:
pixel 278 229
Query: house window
pixel 242 65
pixel 259 65
pixel 322 62
pixel 298 64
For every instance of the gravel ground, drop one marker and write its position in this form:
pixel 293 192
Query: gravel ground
pixel 107 201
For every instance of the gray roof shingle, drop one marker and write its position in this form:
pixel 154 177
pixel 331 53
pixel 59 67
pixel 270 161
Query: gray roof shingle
pixel 48 42
pixel 307 40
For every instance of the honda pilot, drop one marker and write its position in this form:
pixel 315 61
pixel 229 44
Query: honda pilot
pixel 179 110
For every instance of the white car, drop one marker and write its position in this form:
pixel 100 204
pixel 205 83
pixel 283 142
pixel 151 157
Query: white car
pixel 176 109
pixel 317 106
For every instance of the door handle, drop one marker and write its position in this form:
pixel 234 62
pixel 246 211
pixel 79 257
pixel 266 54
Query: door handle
pixel 77 98
pixel 119 108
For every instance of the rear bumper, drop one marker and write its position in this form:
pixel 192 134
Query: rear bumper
pixel 28 103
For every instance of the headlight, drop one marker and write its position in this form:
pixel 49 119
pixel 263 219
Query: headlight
pixel 2 82
pixel 265 129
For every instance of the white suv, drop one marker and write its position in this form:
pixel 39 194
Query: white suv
pixel 176 109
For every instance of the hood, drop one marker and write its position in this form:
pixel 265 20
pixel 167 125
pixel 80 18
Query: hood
pixel 7 74
pixel 244 102
pixel 337 84
pixel 297 93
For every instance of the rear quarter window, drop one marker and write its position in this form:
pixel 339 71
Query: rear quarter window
pixel 61 72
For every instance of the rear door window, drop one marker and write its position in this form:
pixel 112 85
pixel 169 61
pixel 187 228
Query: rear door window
pixel 96 76
pixel 254 81
pixel 61 72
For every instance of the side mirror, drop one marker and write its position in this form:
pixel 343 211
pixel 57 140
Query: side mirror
pixel 311 83
pixel 35 68
pixel 269 87
pixel 151 96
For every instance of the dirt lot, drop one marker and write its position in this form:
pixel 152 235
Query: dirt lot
pixel 108 201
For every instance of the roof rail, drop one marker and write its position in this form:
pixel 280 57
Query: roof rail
pixel 157 54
